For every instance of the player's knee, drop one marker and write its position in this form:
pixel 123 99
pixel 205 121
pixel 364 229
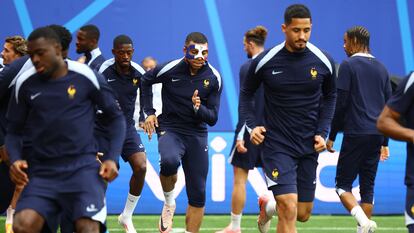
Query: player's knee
pixel 169 166
pixel 17 228
pixel 140 169
pixel 199 203
pixel 304 215
pixel 87 226
pixel 367 194
pixel 197 198
pixel 24 225
pixel 367 198
pixel 288 207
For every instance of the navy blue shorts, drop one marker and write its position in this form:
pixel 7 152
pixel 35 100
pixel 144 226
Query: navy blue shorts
pixel 409 206
pixel 6 187
pixel 2 136
pixel 76 194
pixel 132 143
pixel 248 160
pixel 359 155
pixel 192 152
pixel 288 174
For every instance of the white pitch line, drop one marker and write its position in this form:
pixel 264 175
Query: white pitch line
pixel 179 230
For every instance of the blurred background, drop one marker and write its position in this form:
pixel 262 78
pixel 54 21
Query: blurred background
pixel 158 28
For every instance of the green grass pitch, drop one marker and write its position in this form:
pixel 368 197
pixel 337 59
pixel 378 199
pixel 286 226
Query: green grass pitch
pixel 212 223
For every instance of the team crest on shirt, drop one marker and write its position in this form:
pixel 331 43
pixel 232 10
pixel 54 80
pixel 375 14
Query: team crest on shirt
pixel 71 91
pixel 412 210
pixel 313 73
pixel 135 81
pixel 275 173
pixel 206 83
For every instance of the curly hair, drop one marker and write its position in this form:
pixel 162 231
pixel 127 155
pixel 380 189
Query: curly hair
pixel 19 44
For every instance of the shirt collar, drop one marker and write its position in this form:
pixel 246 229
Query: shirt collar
pixel 94 54
pixel 363 55
pixel 134 72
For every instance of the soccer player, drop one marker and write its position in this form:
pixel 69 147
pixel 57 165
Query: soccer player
pixel 300 92
pixel 124 76
pixel 14 48
pixel 400 107
pixel 245 156
pixel 61 99
pixel 149 63
pixel 65 38
pixel 191 90
pixel 363 87
pixel 87 40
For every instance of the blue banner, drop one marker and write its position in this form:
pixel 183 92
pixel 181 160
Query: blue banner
pixel 389 188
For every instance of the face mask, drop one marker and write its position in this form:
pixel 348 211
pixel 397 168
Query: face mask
pixel 200 48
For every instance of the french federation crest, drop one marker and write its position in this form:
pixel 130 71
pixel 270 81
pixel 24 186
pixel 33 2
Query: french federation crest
pixel 135 81
pixel 206 83
pixel 314 73
pixel 71 91
pixel 275 174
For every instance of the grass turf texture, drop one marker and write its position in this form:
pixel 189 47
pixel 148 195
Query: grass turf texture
pixel 212 223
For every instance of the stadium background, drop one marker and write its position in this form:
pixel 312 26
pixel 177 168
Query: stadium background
pixel 158 28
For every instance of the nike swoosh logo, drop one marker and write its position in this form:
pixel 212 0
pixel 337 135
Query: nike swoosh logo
pixel 175 80
pixel 32 97
pixel 111 80
pixel 276 72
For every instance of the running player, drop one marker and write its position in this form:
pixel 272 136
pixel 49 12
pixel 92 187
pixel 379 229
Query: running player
pixel 300 92
pixel 124 76
pixel 61 99
pixel 191 90
pixel 245 156
pixel 363 89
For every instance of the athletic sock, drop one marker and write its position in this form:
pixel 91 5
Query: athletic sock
pixel 169 198
pixel 235 221
pixel 359 215
pixel 130 205
pixel 10 213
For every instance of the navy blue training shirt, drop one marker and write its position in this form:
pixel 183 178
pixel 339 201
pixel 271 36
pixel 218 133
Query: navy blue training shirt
pixel 94 59
pixel 58 116
pixel 299 92
pixel 402 101
pixel 178 86
pixel 258 102
pixel 8 78
pixel 125 87
pixel 363 89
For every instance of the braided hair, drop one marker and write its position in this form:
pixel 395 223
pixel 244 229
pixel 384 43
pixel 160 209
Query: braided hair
pixel 359 37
